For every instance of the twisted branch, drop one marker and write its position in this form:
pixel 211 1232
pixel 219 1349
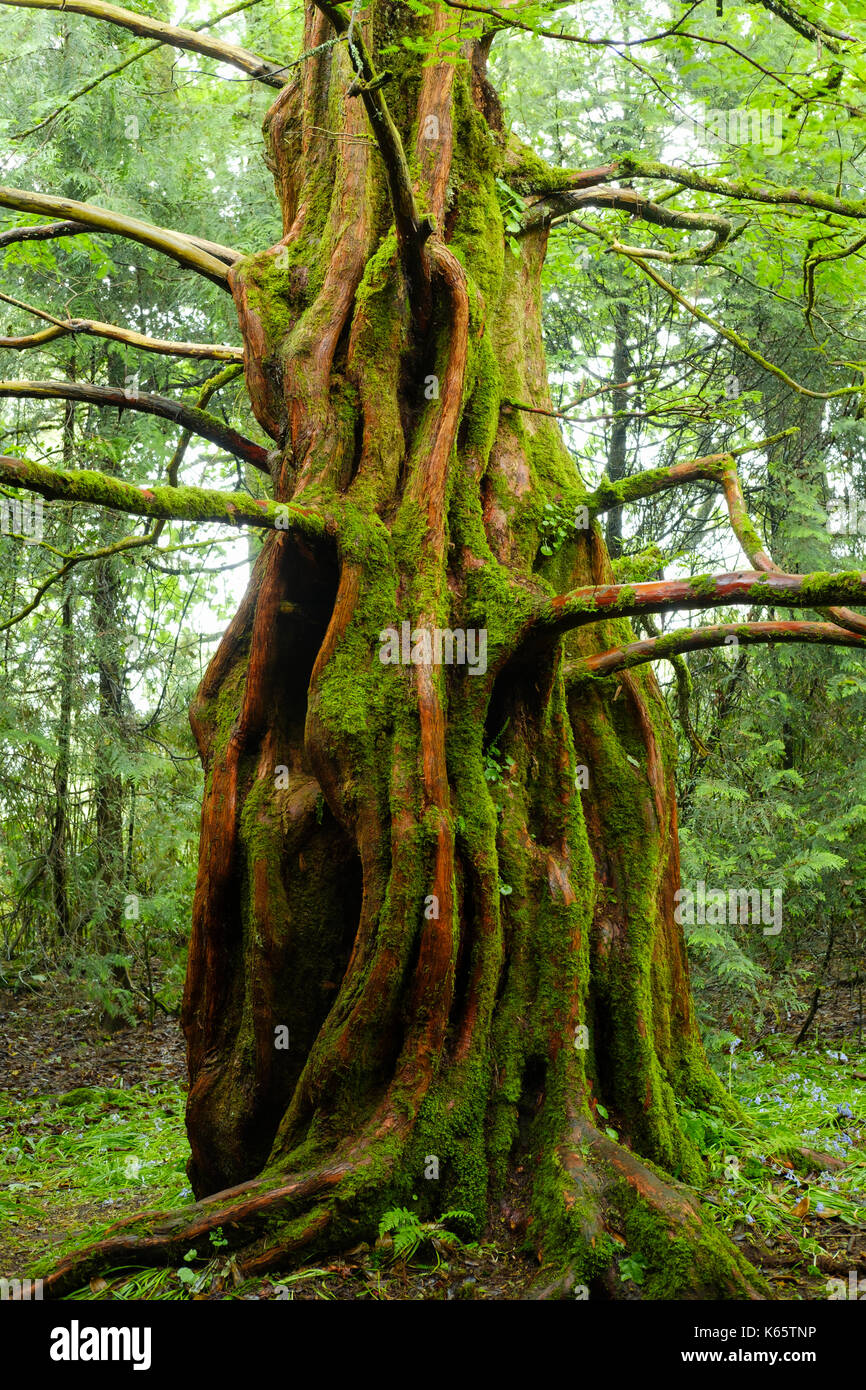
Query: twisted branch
pixel 593 604
pixel 412 229
pixel 721 470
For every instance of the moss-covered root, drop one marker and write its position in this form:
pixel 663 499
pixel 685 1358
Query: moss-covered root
pixel 269 1223
pixel 602 1204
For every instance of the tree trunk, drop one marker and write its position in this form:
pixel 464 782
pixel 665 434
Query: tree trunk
pixel 616 454
pixel 469 954
pixel 58 863
pixel 107 608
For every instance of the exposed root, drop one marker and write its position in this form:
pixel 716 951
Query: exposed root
pixel 615 1204
pixel 156 1238
pixel 609 1202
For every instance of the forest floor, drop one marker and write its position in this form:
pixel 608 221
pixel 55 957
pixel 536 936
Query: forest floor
pixel 91 1130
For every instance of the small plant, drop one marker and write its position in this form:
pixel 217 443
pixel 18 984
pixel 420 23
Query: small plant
pixel 608 1129
pixel 557 524
pixel 513 207
pixel 496 765
pixel 632 1267
pixel 409 1233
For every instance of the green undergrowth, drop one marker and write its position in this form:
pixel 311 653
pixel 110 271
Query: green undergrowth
pixel 72 1165
pixel 762 1186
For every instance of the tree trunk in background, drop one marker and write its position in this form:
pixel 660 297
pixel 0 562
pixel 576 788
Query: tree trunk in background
pixel 58 866
pixel 107 616
pixel 616 454
pixel 57 857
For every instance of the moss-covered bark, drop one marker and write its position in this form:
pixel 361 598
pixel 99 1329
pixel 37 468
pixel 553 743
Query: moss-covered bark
pixel 401 864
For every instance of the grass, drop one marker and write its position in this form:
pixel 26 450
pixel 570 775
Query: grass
pixel 760 1187
pixel 72 1165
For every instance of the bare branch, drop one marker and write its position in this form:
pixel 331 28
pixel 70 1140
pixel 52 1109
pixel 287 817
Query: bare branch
pixel 198 421
pixel 208 258
pixel 690 639
pixel 262 69
pixel 508 21
pixel 219 352
pixel 639 259
pixel 46 232
pixel 172 503
pixel 563 202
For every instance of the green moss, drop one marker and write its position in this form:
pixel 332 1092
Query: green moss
pixel 698 1262
pixel 532 174
pixel 637 569
pixel 703 584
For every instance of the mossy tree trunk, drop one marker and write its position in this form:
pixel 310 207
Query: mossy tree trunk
pixel 470 949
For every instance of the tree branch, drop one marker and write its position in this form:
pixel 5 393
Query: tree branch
pixel 128 543
pixel 684 686
pixel 507 21
pixel 172 503
pixel 721 470
pixel 208 258
pixel 690 639
pixel 562 202
pixel 198 421
pixel 262 69
pixel 638 258
pixel 125 63
pixel 46 232
pixel 813 29
pixel 630 166
pixel 591 605
pixel 218 352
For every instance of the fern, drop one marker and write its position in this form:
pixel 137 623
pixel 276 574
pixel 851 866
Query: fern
pixel 409 1232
